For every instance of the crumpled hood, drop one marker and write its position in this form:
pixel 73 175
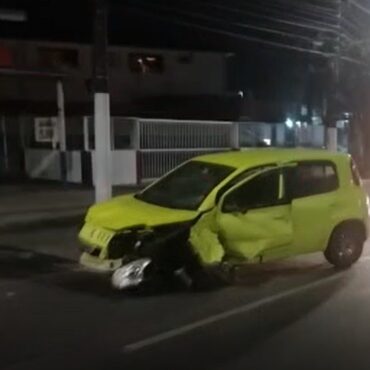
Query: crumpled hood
pixel 127 211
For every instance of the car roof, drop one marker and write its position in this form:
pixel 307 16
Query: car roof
pixel 255 157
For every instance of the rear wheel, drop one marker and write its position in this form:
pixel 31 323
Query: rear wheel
pixel 345 245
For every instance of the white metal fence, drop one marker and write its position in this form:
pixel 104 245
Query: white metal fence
pixel 164 144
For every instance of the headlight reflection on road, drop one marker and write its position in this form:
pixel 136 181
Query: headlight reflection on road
pixel 130 275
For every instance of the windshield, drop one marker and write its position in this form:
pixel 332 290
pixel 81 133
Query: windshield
pixel 187 186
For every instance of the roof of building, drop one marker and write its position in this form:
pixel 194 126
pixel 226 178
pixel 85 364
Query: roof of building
pixel 256 157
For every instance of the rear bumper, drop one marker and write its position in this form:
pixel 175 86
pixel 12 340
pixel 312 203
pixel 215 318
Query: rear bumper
pixel 97 264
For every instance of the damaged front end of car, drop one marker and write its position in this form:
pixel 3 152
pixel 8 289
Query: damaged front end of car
pixel 162 251
pixel 140 254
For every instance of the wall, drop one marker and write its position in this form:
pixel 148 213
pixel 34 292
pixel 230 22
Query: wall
pixel 204 73
pixel 43 164
pixel 74 173
pixel 123 167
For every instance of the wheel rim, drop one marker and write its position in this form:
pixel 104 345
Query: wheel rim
pixel 346 247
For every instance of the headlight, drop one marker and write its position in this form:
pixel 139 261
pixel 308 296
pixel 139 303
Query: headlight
pixel 131 274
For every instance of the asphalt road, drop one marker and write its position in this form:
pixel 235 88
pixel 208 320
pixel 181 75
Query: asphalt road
pixel 300 314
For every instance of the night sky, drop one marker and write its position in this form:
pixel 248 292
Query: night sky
pixel 222 25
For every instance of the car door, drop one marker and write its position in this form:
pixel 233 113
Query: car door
pixel 313 186
pixel 254 218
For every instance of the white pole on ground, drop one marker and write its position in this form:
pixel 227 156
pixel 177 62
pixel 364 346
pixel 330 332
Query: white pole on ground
pixel 332 139
pixel 235 141
pixel 62 130
pixel 61 116
pixel 86 133
pixel 103 154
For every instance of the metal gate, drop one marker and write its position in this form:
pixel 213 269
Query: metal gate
pixel 164 144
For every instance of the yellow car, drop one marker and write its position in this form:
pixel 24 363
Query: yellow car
pixel 237 207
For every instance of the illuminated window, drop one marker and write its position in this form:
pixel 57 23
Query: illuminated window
pixel 145 63
pixel 45 130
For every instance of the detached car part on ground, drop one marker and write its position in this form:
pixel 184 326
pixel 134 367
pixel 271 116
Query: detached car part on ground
pixel 229 209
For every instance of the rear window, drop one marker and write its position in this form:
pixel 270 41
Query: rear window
pixel 309 179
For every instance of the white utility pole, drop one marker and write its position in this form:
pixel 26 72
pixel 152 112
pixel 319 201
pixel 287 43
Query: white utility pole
pixel 61 119
pixel 332 131
pixel 103 154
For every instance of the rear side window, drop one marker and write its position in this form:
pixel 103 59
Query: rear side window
pixel 355 174
pixel 309 179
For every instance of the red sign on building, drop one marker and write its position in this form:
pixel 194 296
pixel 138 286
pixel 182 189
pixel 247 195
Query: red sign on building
pixel 6 57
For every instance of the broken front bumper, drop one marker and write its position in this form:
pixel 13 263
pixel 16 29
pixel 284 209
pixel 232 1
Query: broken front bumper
pixel 97 264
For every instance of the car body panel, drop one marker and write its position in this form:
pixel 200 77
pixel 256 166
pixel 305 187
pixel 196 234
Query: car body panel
pixel 303 226
pixel 127 211
pixel 260 234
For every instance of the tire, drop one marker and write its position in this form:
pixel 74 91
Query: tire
pixel 345 245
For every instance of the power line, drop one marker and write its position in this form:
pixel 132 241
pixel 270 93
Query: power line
pixel 298 12
pixel 360 6
pixel 238 24
pixel 302 6
pixel 235 35
pixel 231 34
pixel 263 16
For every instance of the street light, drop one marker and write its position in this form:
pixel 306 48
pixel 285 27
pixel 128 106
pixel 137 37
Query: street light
pixel 289 123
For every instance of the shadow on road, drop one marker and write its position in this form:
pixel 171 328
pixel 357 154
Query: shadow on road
pixel 254 275
pixel 237 340
pixel 99 285
pixel 18 263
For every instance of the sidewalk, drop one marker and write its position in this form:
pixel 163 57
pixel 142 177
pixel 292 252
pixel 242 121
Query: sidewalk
pixel 32 205
pixel 40 205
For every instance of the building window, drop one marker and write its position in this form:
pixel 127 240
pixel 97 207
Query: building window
pixel 186 58
pixel 46 130
pixel 145 63
pixel 58 58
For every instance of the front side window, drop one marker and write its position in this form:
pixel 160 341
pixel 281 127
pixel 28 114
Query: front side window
pixel 187 186
pixel 309 179
pixel 262 191
pixel 242 176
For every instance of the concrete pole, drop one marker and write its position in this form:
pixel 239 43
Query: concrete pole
pixel 62 130
pixel 86 134
pixel 103 154
pixel 234 136
pixel 332 109
pixel 332 139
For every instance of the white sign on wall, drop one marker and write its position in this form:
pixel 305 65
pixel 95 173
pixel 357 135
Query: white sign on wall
pixel 46 130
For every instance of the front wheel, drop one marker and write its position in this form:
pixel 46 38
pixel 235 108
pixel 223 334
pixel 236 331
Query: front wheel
pixel 345 245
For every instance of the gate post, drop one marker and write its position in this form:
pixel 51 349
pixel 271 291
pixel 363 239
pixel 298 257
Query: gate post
pixel 235 142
